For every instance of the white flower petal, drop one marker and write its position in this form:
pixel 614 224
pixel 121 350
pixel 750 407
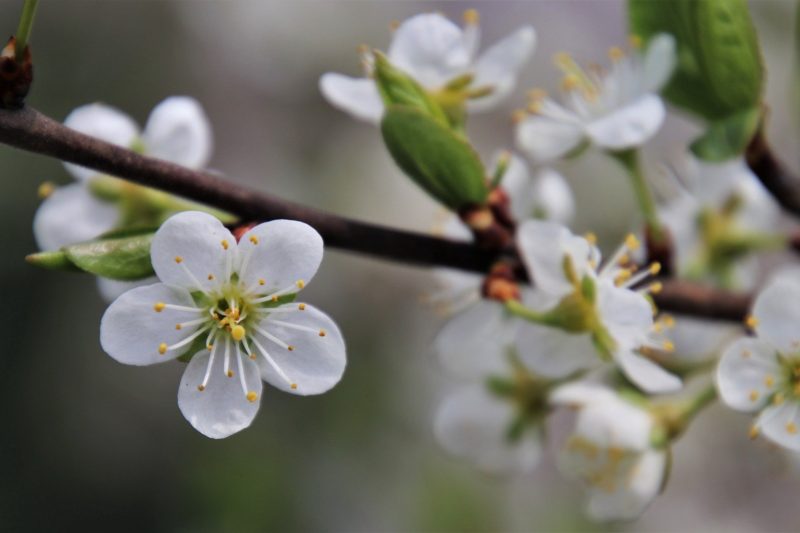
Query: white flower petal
pixel 629 126
pixel 102 122
pixel 698 339
pixel 111 289
pixel 640 488
pixel 71 215
pixel 222 408
pixel 658 62
pixel 626 313
pixel 543 246
pixel 552 196
pixel 357 96
pixel 281 253
pixel 611 422
pixel 193 250
pixel 516 182
pixel 132 331
pixel 474 424
pixel 552 352
pixel 178 130
pixel 431 49
pixel 646 374
pixel 315 364
pixel 747 374
pixel 474 342
pixel 545 139
pixel 777 309
pixel 580 393
pixel 781 424
pixel 500 64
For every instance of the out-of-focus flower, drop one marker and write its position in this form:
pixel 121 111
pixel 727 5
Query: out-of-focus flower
pixel 761 374
pixel 610 451
pixel 614 110
pixel 229 307
pixel 443 59
pixel 717 220
pixel 586 312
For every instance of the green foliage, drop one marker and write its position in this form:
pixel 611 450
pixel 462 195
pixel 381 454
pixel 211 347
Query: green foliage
pixel 719 70
pixel 437 159
pixel 122 258
pixel 728 137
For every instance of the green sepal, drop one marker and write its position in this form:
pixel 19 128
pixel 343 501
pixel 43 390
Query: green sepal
pixel 52 260
pixel 121 258
pixel 398 88
pixel 502 387
pixel 727 138
pixel 437 159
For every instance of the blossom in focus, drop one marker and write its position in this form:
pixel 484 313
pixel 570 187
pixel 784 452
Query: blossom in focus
pixel 444 60
pixel 615 109
pixel 230 308
pixel 610 451
pixel 719 216
pixel 761 374
pixel 582 312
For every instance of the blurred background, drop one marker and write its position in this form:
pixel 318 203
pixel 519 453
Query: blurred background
pixel 92 444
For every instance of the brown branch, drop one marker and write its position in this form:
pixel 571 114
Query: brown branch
pixel 27 129
pixel 778 180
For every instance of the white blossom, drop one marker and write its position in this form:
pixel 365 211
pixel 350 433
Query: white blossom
pixel 614 110
pixel 610 451
pixel 434 51
pixel 761 374
pixel 229 307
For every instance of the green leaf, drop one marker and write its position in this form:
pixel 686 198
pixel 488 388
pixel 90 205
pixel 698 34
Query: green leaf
pixel 438 160
pixel 55 260
pixel 122 258
pixel 728 137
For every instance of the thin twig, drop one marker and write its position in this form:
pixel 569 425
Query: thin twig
pixel 778 180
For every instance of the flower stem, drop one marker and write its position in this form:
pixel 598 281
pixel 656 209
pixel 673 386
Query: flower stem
pixel 517 309
pixel 694 405
pixel 630 160
pixel 24 28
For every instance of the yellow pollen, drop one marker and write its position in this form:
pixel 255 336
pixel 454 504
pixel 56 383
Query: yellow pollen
pixel 302 307
pixel 178 259
pixel 624 258
pixel 753 433
pixel 262 281
pixel 229 373
pixel 591 238
pixel 201 388
pixel 178 326
pixel 658 327
pixel 252 396
pixel 751 321
pixel 253 239
pixel 616 53
pixel 162 348
pixel 769 381
pixel 45 189
pixel 210 347
pixel 235 313
pixel 537 94
pixel 778 398
pixel 300 283
pixel 635 41
pixel 290 348
pixel 210 277
pixel 754 395
pixel 159 307
pixel 534 108
pixel 562 59
pixel 224 244
pixel 668 321
pixel 656 287
pixel 655 268
pixel 570 82
pixel 274 298
pixel 471 17
pixel 253 356
pixel 322 333
pixel 668 346
pixel 791 428
pixel 294 385
pixel 393 25
pixel 631 242
pixel 237 332
pixel 623 276
pixel 518 116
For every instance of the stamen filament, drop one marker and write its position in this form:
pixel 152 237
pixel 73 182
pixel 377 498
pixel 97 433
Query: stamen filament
pixel 208 368
pixel 240 365
pixel 273 364
pixel 273 338
pixel 642 275
pixel 188 339
pixel 298 327
pixel 227 363
pixel 283 292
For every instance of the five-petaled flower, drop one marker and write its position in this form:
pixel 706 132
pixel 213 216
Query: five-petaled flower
pixel 615 110
pixel 441 57
pixel 610 451
pixel 761 374
pixel 229 307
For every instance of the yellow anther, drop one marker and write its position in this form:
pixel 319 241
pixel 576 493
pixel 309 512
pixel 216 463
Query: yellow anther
pixel 754 395
pixel 224 243
pixel 229 373
pixel 778 398
pixel 570 82
pixel 159 307
pixel 751 322
pixel 624 259
pixel 210 347
pixel 534 108
pixel 237 332
pixel 300 283
pixel 253 239
pixel 362 49
pixel 210 277
pixel 178 259
pixel 563 59
pixel 656 287
pixel 537 94
pixel 791 428
pixel 635 41
pixel 796 389
pixel 302 307
pixel 753 433
pixel 769 381
pixel 290 348
pixel 322 333
pixel 45 189
pixel 658 327
pixel 668 346
pixel 178 326
pixel 262 281
pixel 472 17
pixel 631 242
pixel 623 276
pixel 746 354
pixel 592 263
pixel 253 356
pixel 518 115
pixel 655 268
pixel 275 299
pixel 252 396
pixel 162 348
pixel 294 385
pixel 201 388
pixel 668 321
pixel 615 53
pixel 591 238
pixel 393 25
pixel 235 313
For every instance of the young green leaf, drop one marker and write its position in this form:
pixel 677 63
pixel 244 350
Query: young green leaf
pixel 122 258
pixel 728 137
